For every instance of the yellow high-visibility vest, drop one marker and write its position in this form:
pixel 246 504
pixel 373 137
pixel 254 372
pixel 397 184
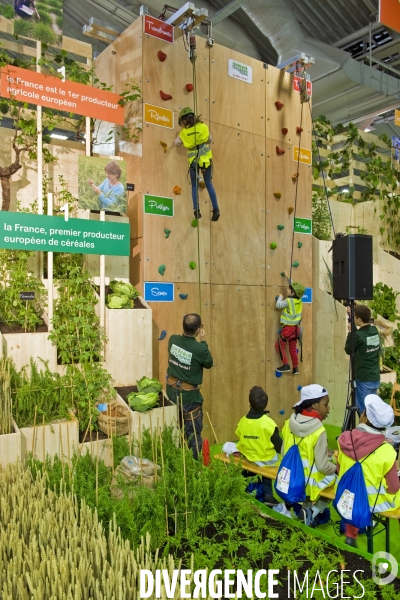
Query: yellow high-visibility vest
pixel 195 140
pixel 292 314
pixel 314 480
pixel 374 469
pixel 255 438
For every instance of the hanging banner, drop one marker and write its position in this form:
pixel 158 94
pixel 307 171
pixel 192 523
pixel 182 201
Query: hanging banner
pixel 155 115
pixel 46 90
pixel 240 71
pixel 158 29
pixel 296 85
pixel 302 155
pixel 389 14
pixel 158 205
pixel 303 225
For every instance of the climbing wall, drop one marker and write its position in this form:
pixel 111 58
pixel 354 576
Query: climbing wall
pixel 239 260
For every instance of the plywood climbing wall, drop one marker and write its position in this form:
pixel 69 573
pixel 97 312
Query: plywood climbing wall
pixel 237 274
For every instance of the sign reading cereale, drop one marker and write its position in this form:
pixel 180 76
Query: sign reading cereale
pixel 240 71
pixel 302 155
pixel 154 291
pixel 158 205
pixel 163 117
pixel 158 29
pixel 303 225
pixel 45 90
pixel 24 231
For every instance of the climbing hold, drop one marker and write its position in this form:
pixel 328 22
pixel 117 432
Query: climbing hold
pixel 299 388
pixel 283 274
pixel 295 264
pixel 161 55
pixel 290 210
pixel 194 223
pixel 280 227
pixel 167 233
pixel 161 269
pixel 282 412
pixel 162 334
pixel 280 150
pixel 273 245
pixel 192 265
pixel 299 130
pixel 189 87
pixel 299 244
pixel 279 105
pixel 165 146
pixel 278 374
pixel 277 195
pixel 165 96
pixel 176 189
pixel 295 176
pixel 202 184
pixel 183 296
pixel 285 130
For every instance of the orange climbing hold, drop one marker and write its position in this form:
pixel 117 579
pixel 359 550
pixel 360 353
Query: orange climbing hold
pixel 290 210
pixel 277 195
pixel 279 105
pixel 285 130
pixel 280 150
pixel 189 87
pixel 161 55
pixel 295 176
pixel 299 130
pixel 176 189
pixel 164 145
pixel 165 96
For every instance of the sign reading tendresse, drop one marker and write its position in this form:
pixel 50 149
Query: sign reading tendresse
pixel 23 231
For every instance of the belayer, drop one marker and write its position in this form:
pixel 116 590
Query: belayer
pixel 195 136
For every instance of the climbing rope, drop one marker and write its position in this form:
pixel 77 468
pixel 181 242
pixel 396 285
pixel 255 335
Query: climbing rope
pixel 296 192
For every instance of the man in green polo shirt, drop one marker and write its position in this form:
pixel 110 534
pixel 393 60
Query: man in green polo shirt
pixel 187 359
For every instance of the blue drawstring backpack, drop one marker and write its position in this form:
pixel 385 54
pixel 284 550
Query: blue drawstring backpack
pixel 351 498
pixel 290 484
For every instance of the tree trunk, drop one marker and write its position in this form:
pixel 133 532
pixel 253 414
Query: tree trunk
pixel 6 192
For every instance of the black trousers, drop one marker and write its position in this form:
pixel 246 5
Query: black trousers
pixel 193 426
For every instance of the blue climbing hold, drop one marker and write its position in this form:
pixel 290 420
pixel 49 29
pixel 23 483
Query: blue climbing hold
pixel 183 296
pixel 299 388
pixel 282 412
pixel 162 335
pixel 278 374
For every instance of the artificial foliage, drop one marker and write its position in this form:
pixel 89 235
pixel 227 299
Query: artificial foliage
pixel 6 404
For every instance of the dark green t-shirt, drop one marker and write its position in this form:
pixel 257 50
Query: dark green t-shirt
pixel 186 360
pixel 367 352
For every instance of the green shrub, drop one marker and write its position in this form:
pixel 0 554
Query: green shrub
pixel 60 21
pixel 45 34
pixel 24 28
pixel 45 18
pixel 55 3
pixel 7 11
pixel 384 302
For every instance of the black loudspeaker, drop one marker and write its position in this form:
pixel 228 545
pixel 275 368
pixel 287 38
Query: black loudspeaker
pixel 352 267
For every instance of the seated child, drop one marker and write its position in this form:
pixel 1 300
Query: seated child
pixel 368 442
pixel 305 429
pixel 259 439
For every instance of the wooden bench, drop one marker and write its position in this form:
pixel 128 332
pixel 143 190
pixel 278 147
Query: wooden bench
pixel 328 493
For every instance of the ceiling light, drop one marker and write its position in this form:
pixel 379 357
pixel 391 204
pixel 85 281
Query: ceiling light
pixel 366 130
pixel 58 137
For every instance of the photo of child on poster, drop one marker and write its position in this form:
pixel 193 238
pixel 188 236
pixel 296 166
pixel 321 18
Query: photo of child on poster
pixel 101 184
pixel 40 20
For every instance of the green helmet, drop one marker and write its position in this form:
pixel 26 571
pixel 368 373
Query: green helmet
pixel 298 288
pixel 185 112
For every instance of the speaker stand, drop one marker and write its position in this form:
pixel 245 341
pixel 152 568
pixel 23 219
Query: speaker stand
pixel 350 414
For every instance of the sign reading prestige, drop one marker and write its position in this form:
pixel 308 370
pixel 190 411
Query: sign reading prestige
pixel 53 234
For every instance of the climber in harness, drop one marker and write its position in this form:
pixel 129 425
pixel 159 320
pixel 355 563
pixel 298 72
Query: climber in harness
pixel 290 327
pixel 195 136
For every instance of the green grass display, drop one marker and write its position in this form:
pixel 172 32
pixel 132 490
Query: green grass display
pixel 24 28
pixel 7 11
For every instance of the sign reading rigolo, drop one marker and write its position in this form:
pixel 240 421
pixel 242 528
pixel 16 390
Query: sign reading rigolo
pixel 24 231
pixel 154 291
pixel 158 29
pixel 303 226
pixel 45 90
pixel 240 71
pixel 155 115
pixel 158 205
pixel 302 155
pixel 297 82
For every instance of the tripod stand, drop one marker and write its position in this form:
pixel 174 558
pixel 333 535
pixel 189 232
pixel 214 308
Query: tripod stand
pixel 349 421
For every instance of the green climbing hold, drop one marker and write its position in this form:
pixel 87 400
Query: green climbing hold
pixel 192 265
pixel 299 244
pixel 195 223
pixel 295 264
pixel 283 274
pixel 161 269
pixel 280 227
pixel 273 245
pixel 167 233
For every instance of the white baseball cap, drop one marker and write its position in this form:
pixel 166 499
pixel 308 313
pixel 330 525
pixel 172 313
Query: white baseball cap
pixel 311 392
pixel 379 414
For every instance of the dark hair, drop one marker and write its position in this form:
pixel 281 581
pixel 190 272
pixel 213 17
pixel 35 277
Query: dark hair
pixel 258 398
pixel 293 291
pixel 191 323
pixel 362 312
pixel 307 404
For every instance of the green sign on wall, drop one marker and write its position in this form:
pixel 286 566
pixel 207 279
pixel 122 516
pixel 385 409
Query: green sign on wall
pixel 303 225
pixel 24 231
pixel 158 205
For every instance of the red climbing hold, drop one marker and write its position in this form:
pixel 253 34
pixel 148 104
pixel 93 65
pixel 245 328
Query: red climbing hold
pixel 299 130
pixel 161 55
pixel 206 453
pixel 279 105
pixel 189 87
pixel 280 150
pixel 165 96
pixel 285 130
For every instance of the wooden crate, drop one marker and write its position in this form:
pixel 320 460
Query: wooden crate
pixel 152 419
pixel 22 346
pixel 59 439
pixel 11 447
pixel 101 449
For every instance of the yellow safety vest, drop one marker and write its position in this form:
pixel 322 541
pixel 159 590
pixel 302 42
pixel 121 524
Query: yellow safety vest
pixel 292 314
pixel 255 438
pixel 195 140
pixel 374 468
pixel 314 480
